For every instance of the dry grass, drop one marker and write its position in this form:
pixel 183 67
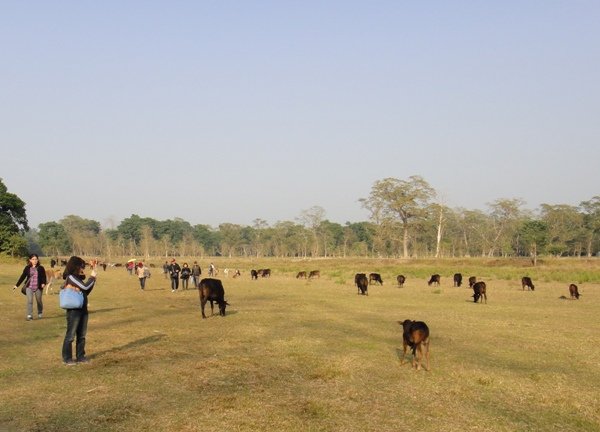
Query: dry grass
pixel 301 355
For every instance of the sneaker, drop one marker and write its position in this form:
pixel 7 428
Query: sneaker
pixel 172 290
pixel 69 363
pixel 29 317
pixel 83 360
pixel 39 316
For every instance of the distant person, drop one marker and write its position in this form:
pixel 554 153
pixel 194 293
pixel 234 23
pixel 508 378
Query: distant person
pixel 185 275
pixel 34 276
pixel 196 272
pixel 141 272
pixel 130 267
pixel 212 271
pixel 174 271
pixel 166 269
pixel 77 319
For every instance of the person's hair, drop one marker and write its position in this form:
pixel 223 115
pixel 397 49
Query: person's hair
pixel 140 264
pixel 31 256
pixel 74 265
pixel 185 264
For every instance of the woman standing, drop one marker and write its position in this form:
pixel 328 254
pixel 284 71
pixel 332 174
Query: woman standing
pixel 34 285
pixel 77 319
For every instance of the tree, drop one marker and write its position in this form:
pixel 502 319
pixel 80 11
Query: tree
pixel 13 223
pixel 565 228
pixel 505 218
pixel 405 201
pixel 312 219
pixel 591 223
pixel 53 239
pixel 534 234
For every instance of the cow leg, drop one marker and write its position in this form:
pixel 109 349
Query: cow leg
pixel 404 346
pixel 212 308
pixel 202 304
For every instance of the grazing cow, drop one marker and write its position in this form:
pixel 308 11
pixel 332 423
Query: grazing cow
pixel 362 283
pixel 63 262
pixel 236 273
pixel 51 276
pixel 574 291
pixel 253 274
pixel 375 277
pixel 479 292
pixel 526 282
pixel 264 272
pixel 415 334
pixel 435 279
pixel 472 281
pixel 212 290
pixel 314 274
pixel 401 279
pixel 457 279
pixel 301 274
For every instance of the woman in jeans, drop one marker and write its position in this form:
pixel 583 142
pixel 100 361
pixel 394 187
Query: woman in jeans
pixel 34 286
pixel 77 319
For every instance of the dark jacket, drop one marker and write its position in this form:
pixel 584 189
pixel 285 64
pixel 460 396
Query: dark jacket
pixel 41 276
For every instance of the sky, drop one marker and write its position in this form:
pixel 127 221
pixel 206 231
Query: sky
pixel 232 111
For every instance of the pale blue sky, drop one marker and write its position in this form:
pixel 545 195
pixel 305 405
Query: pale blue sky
pixel 228 111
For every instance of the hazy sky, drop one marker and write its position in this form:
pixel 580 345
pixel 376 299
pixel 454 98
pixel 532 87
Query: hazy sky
pixel 229 111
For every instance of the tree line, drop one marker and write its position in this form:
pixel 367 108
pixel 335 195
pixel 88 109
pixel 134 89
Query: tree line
pixel 405 220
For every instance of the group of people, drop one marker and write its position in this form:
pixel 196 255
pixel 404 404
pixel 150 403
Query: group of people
pixel 34 276
pixel 176 272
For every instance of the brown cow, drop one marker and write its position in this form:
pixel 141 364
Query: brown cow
pixel 415 334
pixel 51 276
pixel 375 277
pixel 401 279
pixel 526 282
pixel 212 290
pixel 435 279
pixel 574 291
pixel 479 292
pixel 301 275
pixel 314 274
pixel 362 283
pixel 472 281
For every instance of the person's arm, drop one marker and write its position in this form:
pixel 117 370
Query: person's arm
pixel 21 278
pixel 84 286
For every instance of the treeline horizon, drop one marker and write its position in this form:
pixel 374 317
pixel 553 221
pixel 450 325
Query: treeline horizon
pixel 405 221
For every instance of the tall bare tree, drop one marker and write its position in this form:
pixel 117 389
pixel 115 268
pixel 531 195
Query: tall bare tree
pixel 405 201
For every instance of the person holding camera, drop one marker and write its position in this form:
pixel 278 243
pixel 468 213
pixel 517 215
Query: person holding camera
pixel 34 276
pixel 77 319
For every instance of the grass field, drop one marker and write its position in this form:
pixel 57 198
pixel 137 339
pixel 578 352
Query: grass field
pixel 297 355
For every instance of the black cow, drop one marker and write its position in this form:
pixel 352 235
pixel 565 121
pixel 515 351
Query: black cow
pixel 362 283
pixel 479 292
pixel 401 279
pixel 435 279
pixel 472 281
pixel 574 291
pixel 457 279
pixel 212 290
pixel 264 272
pixel 375 277
pixel 415 334
pixel 526 282
pixel 301 274
pixel 314 274
pixel 254 274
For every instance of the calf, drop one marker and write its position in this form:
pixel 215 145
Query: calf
pixel 526 282
pixel 457 279
pixel 301 274
pixel 253 274
pixel 212 290
pixel 574 291
pixel 264 273
pixel 435 279
pixel 472 281
pixel 362 283
pixel 375 277
pixel 401 279
pixel 415 335
pixel 314 274
pixel 479 292
pixel 51 276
